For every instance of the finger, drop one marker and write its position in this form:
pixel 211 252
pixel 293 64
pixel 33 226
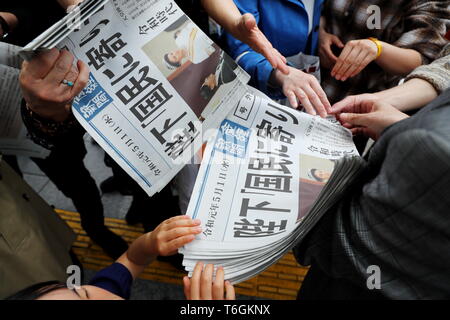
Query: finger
pixel 283 58
pixel 321 94
pixel 292 99
pixel 195 281
pixel 348 62
pixel 72 75
pixel 181 232
pixel 315 101
pixel 343 105
pixel 181 223
pixel 305 101
pixel 354 59
pixel 249 21
pixel 218 289
pixel 82 78
pixel 341 61
pixel 206 283
pixel 40 66
pixel 176 218
pixel 173 245
pixel 230 295
pixel 362 66
pixel 355 119
pixel 335 40
pixel 61 67
pixel 187 287
pixel 282 62
pixel 357 62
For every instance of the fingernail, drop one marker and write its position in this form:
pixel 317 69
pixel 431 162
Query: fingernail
pixel 198 229
pixel 197 221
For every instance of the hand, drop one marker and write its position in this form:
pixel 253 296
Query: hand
pixel 248 32
pixel 202 287
pixel 172 234
pixel 42 87
pixel 351 102
pixel 327 57
pixel 369 117
pixel 303 87
pixel 355 56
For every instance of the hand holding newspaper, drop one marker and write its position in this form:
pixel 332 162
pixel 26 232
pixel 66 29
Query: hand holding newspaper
pixel 13 134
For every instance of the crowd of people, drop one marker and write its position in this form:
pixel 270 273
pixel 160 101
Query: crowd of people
pixel 382 68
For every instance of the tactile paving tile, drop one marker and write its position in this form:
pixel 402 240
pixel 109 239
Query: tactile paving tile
pixel 280 282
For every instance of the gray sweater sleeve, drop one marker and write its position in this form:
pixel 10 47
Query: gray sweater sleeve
pixel 437 73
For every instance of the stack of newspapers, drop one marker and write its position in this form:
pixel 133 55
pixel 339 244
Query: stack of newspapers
pixel 267 177
pixel 268 173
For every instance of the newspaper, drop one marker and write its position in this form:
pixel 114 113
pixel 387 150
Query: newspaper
pixel 13 134
pixel 268 174
pixel 157 86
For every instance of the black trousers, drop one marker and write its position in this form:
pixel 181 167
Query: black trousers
pixel 65 168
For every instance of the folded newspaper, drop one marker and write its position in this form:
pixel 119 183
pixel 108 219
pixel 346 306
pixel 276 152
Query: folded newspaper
pixel 157 86
pixel 268 175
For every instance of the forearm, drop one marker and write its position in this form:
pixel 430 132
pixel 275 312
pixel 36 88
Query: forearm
pixel 411 95
pixel 225 13
pixel 398 61
pixel 138 255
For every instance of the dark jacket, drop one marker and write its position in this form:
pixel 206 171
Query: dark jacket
pixel 398 218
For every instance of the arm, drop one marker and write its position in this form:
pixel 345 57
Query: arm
pixel 357 54
pixel 422 86
pixel 244 28
pixel 423 27
pixel 164 240
pixel 398 61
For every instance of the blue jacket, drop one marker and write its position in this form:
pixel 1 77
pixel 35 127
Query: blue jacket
pixel 285 24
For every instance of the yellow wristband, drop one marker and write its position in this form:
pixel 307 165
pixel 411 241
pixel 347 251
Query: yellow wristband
pixel 379 46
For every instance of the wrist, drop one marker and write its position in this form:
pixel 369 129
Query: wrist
pixel 379 46
pixel 59 116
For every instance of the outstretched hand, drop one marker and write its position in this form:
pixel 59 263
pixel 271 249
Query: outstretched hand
pixel 366 115
pixel 247 31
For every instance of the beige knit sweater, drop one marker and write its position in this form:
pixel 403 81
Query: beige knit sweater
pixel 437 73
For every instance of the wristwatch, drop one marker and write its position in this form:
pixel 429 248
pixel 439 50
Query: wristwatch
pixel 5 27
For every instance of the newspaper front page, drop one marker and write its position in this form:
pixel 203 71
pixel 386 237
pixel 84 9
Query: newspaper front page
pixel 261 174
pixel 157 85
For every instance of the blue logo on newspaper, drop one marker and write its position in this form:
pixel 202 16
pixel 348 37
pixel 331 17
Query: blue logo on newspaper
pixel 91 100
pixel 232 139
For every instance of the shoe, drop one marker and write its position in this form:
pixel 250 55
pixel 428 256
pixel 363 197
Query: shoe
pixel 113 245
pixel 175 260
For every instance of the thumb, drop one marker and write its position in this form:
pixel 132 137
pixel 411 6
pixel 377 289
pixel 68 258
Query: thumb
pixel 249 21
pixel 355 119
pixel 337 41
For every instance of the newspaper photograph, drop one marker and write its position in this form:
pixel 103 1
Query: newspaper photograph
pixel 260 178
pixel 157 84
